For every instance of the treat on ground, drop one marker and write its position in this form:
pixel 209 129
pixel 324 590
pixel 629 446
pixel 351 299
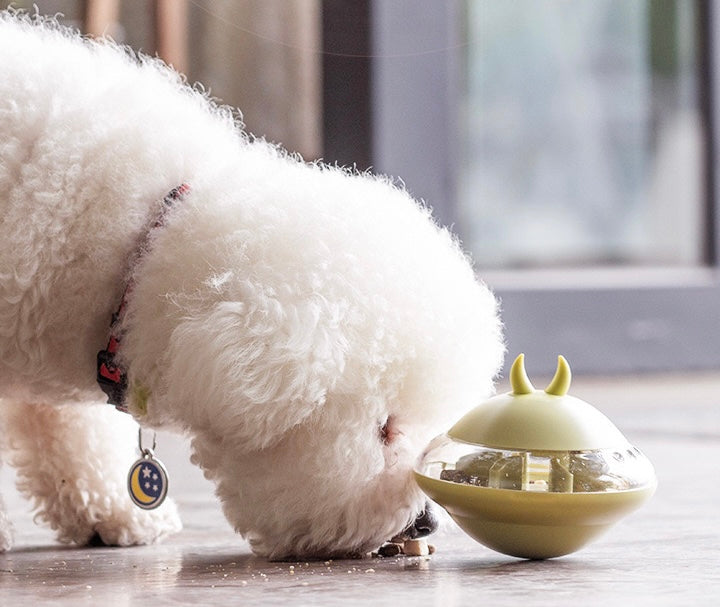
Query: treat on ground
pixel 416 547
pixel 407 548
pixel 390 549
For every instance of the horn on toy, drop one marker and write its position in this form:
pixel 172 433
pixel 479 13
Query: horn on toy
pixel 561 382
pixel 518 377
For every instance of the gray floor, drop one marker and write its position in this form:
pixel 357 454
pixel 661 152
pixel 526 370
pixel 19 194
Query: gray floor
pixel 668 553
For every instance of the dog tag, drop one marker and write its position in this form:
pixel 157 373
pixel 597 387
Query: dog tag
pixel 147 479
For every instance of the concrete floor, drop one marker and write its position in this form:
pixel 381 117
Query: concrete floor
pixel 667 553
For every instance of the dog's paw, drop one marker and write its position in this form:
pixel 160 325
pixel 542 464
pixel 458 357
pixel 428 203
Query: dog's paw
pixel 6 534
pixel 134 526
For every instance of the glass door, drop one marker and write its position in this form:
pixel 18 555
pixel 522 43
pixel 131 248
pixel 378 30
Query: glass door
pixel 581 131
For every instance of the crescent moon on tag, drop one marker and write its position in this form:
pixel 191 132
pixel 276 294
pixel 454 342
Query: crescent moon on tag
pixel 147 483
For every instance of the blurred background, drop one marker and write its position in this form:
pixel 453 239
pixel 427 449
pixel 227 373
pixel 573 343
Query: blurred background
pixel 570 145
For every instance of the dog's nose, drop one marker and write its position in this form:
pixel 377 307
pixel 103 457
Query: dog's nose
pixel 425 524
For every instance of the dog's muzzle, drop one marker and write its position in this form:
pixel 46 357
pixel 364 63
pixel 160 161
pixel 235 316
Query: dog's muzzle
pixel 425 524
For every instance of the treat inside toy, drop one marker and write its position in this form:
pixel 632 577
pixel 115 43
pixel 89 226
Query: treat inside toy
pixel 535 473
pixel 548 471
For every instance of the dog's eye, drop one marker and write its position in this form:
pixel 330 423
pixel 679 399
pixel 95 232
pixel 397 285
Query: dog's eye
pixel 388 431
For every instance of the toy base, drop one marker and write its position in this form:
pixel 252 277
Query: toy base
pixel 529 541
pixel 532 525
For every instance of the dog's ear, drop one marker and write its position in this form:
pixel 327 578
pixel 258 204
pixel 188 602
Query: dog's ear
pixel 250 375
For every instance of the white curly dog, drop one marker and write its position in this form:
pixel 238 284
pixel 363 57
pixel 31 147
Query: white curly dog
pixel 309 328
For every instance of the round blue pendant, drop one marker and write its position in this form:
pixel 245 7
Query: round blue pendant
pixel 147 483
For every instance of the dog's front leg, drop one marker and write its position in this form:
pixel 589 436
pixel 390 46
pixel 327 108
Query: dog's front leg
pixel 72 461
pixel 6 529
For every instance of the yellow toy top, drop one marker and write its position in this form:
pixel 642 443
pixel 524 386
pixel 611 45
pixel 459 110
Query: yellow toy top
pixel 544 420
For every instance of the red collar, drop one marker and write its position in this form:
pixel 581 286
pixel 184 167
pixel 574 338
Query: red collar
pixel 111 375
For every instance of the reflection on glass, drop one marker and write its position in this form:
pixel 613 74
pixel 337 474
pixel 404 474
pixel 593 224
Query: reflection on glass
pixel 581 133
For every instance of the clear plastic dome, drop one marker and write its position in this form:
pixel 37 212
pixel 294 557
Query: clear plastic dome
pixel 592 471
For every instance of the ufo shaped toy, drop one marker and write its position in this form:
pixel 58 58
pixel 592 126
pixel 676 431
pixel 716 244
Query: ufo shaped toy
pixel 535 473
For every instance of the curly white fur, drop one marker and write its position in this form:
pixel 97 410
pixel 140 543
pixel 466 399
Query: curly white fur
pixel 283 314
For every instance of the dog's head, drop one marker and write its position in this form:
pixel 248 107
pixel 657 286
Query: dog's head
pixel 332 486
pixel 337 483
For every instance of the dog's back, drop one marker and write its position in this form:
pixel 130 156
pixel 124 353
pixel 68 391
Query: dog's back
pixel 90 137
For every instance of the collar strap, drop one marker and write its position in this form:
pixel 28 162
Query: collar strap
pixel 111 375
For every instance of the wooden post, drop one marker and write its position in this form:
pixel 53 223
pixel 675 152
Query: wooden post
pixel 101 17
pixel 171 33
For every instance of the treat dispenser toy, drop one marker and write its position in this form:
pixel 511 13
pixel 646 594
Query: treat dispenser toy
pixel 535 473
